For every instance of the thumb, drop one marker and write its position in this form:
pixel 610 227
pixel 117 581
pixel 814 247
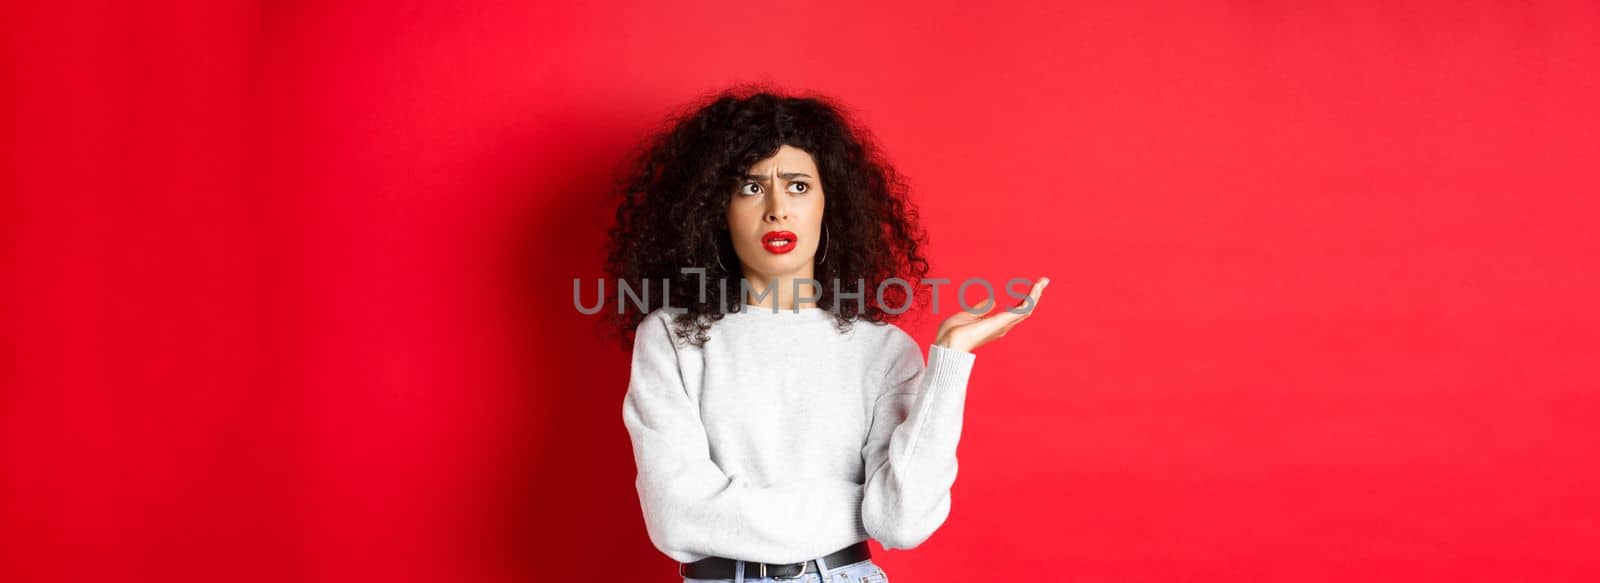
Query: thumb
pixel 978 311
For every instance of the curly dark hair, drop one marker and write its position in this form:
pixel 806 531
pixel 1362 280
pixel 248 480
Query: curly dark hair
pixel 674 194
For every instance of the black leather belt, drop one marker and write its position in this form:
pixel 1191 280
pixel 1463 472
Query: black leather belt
pixel 721 568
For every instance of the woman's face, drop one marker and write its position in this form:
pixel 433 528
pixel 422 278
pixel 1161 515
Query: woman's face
pixel 779 194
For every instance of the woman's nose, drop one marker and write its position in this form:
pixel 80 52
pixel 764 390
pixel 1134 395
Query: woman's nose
pixel 777 211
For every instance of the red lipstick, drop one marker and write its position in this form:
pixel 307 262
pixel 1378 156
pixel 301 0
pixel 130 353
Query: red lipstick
pixel 779 242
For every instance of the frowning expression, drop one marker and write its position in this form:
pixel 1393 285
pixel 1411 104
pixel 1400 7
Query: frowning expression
pixel 775 215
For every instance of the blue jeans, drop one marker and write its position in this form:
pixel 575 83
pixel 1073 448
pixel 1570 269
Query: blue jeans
pixel 862 572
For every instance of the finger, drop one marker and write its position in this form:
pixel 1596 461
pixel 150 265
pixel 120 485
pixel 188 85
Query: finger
pixel 1031 302
pixel 997 325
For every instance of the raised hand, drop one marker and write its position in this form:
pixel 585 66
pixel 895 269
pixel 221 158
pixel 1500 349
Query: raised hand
pixel 967 331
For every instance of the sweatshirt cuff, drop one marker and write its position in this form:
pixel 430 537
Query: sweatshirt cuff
pixel 947 366
pixel 860 527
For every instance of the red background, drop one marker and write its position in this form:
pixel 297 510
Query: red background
pixel 287 286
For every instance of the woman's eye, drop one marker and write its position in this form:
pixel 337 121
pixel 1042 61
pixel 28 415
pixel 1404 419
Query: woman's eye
pixel 746 188
pixel 803 186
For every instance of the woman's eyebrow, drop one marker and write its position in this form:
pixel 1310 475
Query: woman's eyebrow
pixel 783 175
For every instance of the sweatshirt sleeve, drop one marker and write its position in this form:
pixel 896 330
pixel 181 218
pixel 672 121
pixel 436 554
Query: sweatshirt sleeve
pixel 910 453
pixel 692 509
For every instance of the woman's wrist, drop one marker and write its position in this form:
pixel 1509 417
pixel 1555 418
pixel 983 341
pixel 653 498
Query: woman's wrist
pixel 951 343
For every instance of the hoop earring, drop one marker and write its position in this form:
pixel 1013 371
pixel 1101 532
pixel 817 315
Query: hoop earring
pixel 719 259
pixel 827 242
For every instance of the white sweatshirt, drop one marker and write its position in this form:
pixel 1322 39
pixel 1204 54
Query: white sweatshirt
pixel 781 439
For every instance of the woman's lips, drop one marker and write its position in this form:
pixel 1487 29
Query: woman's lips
pixel 779 242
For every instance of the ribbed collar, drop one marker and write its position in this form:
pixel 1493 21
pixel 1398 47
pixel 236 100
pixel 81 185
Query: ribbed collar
pixel 751 311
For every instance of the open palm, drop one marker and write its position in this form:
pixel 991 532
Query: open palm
pixel 967 331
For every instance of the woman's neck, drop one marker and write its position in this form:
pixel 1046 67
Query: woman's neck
pixel 781 291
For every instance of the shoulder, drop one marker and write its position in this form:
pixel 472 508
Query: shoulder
pixel 655 331
pixel 664 327
pixel 896 350
pixel 658 316
pixel 896 338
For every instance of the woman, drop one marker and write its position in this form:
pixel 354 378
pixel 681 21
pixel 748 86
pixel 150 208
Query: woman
pixel 772 434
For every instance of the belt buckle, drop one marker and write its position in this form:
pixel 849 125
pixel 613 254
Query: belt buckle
pixel 802 573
